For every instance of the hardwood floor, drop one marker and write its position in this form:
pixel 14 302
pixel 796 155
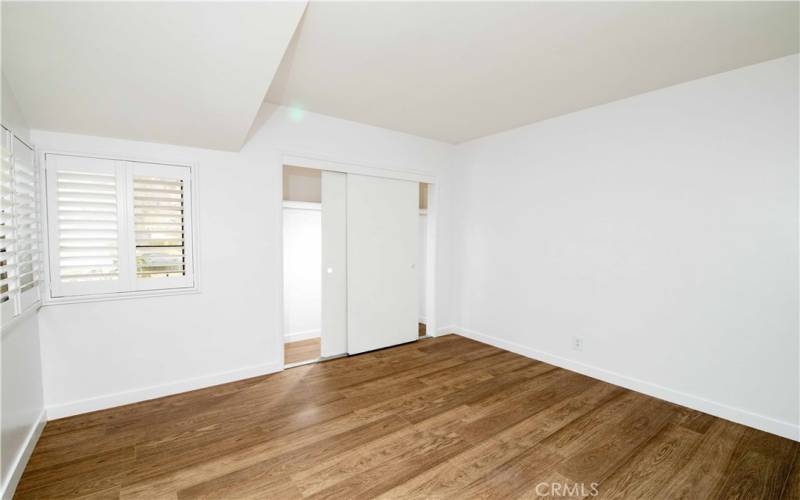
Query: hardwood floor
pixel 302 350
pixel 421 328
pixel 440 418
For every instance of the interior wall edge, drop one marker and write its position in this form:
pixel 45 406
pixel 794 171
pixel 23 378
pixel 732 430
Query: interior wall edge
pixel 24 454
pixel 761 422
pixel 352 166
pixel 106 401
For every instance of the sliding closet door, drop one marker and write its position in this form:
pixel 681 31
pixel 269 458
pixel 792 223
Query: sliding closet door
pixel 334 263
pixel 382 219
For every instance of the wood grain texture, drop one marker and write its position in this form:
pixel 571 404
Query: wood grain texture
pixel 439 418
pixel 301 350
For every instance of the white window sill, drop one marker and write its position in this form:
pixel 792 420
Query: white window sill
pixel 104 297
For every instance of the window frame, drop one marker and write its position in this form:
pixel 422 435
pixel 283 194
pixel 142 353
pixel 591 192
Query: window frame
pixel 32 298
pixel 131 289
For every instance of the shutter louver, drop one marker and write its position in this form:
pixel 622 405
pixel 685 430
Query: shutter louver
pixel 158 205
pixel 26 219
pixel 88 226
pixel 20 226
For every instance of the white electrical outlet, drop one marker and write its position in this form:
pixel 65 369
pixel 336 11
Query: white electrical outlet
pixel 577 343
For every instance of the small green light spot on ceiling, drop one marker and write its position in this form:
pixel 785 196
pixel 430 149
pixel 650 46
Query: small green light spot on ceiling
pixel 296 114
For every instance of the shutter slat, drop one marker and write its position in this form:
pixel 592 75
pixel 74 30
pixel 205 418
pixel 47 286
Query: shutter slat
pixel 86 178
pixel 87 252
pixel 86 198
pixel 87 208
pixel 158 183
pixel 76 244
pixel 90 277
pixel 89 269
pixel 85 187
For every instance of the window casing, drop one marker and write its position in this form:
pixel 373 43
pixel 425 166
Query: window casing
pixel 20 228
pixel 116 227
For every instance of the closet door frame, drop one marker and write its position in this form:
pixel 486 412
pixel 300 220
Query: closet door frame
pixel 301 160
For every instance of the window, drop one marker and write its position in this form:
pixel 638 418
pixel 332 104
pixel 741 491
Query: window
pixel 20 249
pixel 118 226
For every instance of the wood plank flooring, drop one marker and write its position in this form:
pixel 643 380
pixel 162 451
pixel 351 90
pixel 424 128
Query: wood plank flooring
pixel 301 350
pixel 440 418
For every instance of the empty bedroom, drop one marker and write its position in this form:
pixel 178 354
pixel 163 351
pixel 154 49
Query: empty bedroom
pixel 430 249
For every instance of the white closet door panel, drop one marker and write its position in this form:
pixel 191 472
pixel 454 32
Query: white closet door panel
pixel 334 263
pixel 382 225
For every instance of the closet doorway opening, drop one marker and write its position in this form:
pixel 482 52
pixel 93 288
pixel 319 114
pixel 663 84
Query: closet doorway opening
pixel 302 257
pixel 358 254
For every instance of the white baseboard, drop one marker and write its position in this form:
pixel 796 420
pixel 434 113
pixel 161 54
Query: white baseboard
pixel 738 415
pixel 446 330
pixel 21 460
pixel 157 391
pixel 308 334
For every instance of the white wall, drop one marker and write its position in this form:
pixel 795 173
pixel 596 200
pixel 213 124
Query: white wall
pixel 12 115
pixel 22 410
pixel 302 274
pixel 22 404
pixel 101 354
pixel 662 229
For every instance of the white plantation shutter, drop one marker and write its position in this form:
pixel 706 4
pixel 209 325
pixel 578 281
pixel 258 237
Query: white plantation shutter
pixel 20 242
pixel 7 257
pixel 118 226
pixel 86 206
pixel 161 217
pixel 27 224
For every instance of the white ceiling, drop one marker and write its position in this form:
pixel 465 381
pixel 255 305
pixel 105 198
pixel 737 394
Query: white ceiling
pixel 196 73
pixel 179 73
pixel 455 71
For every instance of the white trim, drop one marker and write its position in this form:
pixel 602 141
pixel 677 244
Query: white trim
pixel 105 297
pixel 738 415
pixel 157 391
pixel 431 245
pixel 302 205
pixel 320 163
pixel 423 320
pixel 21 460
pixel 306 335
pixel 277 330
pixel 445 330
